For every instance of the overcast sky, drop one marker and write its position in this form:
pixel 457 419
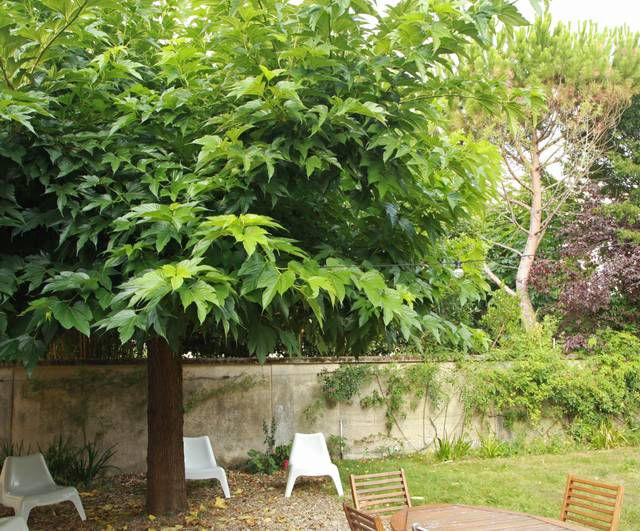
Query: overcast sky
pixel 605 12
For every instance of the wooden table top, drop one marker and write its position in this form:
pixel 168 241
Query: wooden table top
pixel 453 517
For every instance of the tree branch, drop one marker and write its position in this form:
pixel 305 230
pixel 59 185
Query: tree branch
pixel 497 280
pixel 512 214
pixel 74 16
pixel 514 176
pixel 504 246
pixel 5 76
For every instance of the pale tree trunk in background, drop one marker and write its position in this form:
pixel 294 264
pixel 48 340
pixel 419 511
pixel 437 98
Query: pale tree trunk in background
pixel 533 190
pixel 534 235
pixel 166 485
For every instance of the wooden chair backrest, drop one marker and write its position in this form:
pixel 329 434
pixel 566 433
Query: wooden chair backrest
pixel 384 493
pixel 592 504
pixel 359 521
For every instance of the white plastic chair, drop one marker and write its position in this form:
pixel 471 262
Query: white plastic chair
pixel 25 483
pixel 14 523
pixel 310 457
pixel 200 463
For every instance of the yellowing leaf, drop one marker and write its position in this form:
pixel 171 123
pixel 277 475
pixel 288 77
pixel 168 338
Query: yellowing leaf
pixel 220 503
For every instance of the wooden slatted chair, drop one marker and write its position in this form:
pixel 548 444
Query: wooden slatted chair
pixel 359 521
pixel 592 504
pixel 384 493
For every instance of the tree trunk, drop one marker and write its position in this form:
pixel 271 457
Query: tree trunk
pixel 166 486
pixel 534 235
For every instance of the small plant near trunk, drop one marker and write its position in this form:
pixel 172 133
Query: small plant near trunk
pixel 274 458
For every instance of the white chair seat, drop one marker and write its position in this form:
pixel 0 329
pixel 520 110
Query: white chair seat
pixel 200 463
pixel 42 496
pixel 310 457
pixel 13 523
pixel 25 483
pixel 314 470
pixel 203 473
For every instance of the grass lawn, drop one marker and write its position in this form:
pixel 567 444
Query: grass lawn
pixel 531 483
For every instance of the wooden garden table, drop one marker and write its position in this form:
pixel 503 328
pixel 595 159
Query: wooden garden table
pixel 442 517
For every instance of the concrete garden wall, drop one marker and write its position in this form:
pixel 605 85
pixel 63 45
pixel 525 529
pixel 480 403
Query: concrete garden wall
pixel 226 400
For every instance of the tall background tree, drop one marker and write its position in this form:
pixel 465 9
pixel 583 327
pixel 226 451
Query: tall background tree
pixel 573 85
pixel 264 176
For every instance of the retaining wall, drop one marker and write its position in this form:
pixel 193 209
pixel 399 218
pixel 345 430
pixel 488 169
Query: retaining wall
pixel 223 399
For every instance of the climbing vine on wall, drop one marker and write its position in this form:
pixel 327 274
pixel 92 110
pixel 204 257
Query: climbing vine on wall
pixel 397 389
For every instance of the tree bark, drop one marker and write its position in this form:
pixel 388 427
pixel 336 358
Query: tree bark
pixel 533 239
pixel 166 486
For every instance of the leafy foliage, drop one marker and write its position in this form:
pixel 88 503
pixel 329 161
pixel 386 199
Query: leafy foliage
pixel 491 447
pixel 274 458
pixel 396 388
pixel 220 174
pixel 450 449
pixel 593 283
pixel 585 396
pixel 345 382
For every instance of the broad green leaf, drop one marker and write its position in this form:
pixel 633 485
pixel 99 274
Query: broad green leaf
pixel 76 315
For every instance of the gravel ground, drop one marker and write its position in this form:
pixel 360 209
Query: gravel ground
pixel 257 502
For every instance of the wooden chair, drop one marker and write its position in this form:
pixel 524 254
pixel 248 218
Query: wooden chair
pixel 592 504
pixel 359 521
pixel 384 493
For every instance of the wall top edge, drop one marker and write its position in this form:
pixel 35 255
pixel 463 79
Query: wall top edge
pixel 234 361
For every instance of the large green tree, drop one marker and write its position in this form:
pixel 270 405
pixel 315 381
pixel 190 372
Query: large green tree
pixel 239 170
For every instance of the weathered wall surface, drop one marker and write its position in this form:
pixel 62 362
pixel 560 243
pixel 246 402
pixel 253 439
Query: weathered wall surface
pixel 227 401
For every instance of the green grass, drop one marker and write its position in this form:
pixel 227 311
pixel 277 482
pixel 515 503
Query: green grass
pixel 531 483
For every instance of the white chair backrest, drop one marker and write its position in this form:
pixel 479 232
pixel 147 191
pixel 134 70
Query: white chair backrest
pixel 198 452
pixel 29 471
pixel 309 448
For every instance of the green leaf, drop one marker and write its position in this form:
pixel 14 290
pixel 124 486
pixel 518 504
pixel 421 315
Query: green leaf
pixel 251 237
pixel 124 320
pixel 203 295
pixel 270 74
pixel 311 164
pixel 262 341
pixel 75 316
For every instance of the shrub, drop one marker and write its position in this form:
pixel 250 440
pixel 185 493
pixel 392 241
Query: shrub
pixel 274 458
pixel 585 396
pixel 70 464
pixel 502 318
pixel 337 446
pixel 8 448
pixel 605 436
pixel 450 449
pixel 491 447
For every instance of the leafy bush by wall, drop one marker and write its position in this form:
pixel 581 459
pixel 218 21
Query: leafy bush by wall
pixel 539 381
